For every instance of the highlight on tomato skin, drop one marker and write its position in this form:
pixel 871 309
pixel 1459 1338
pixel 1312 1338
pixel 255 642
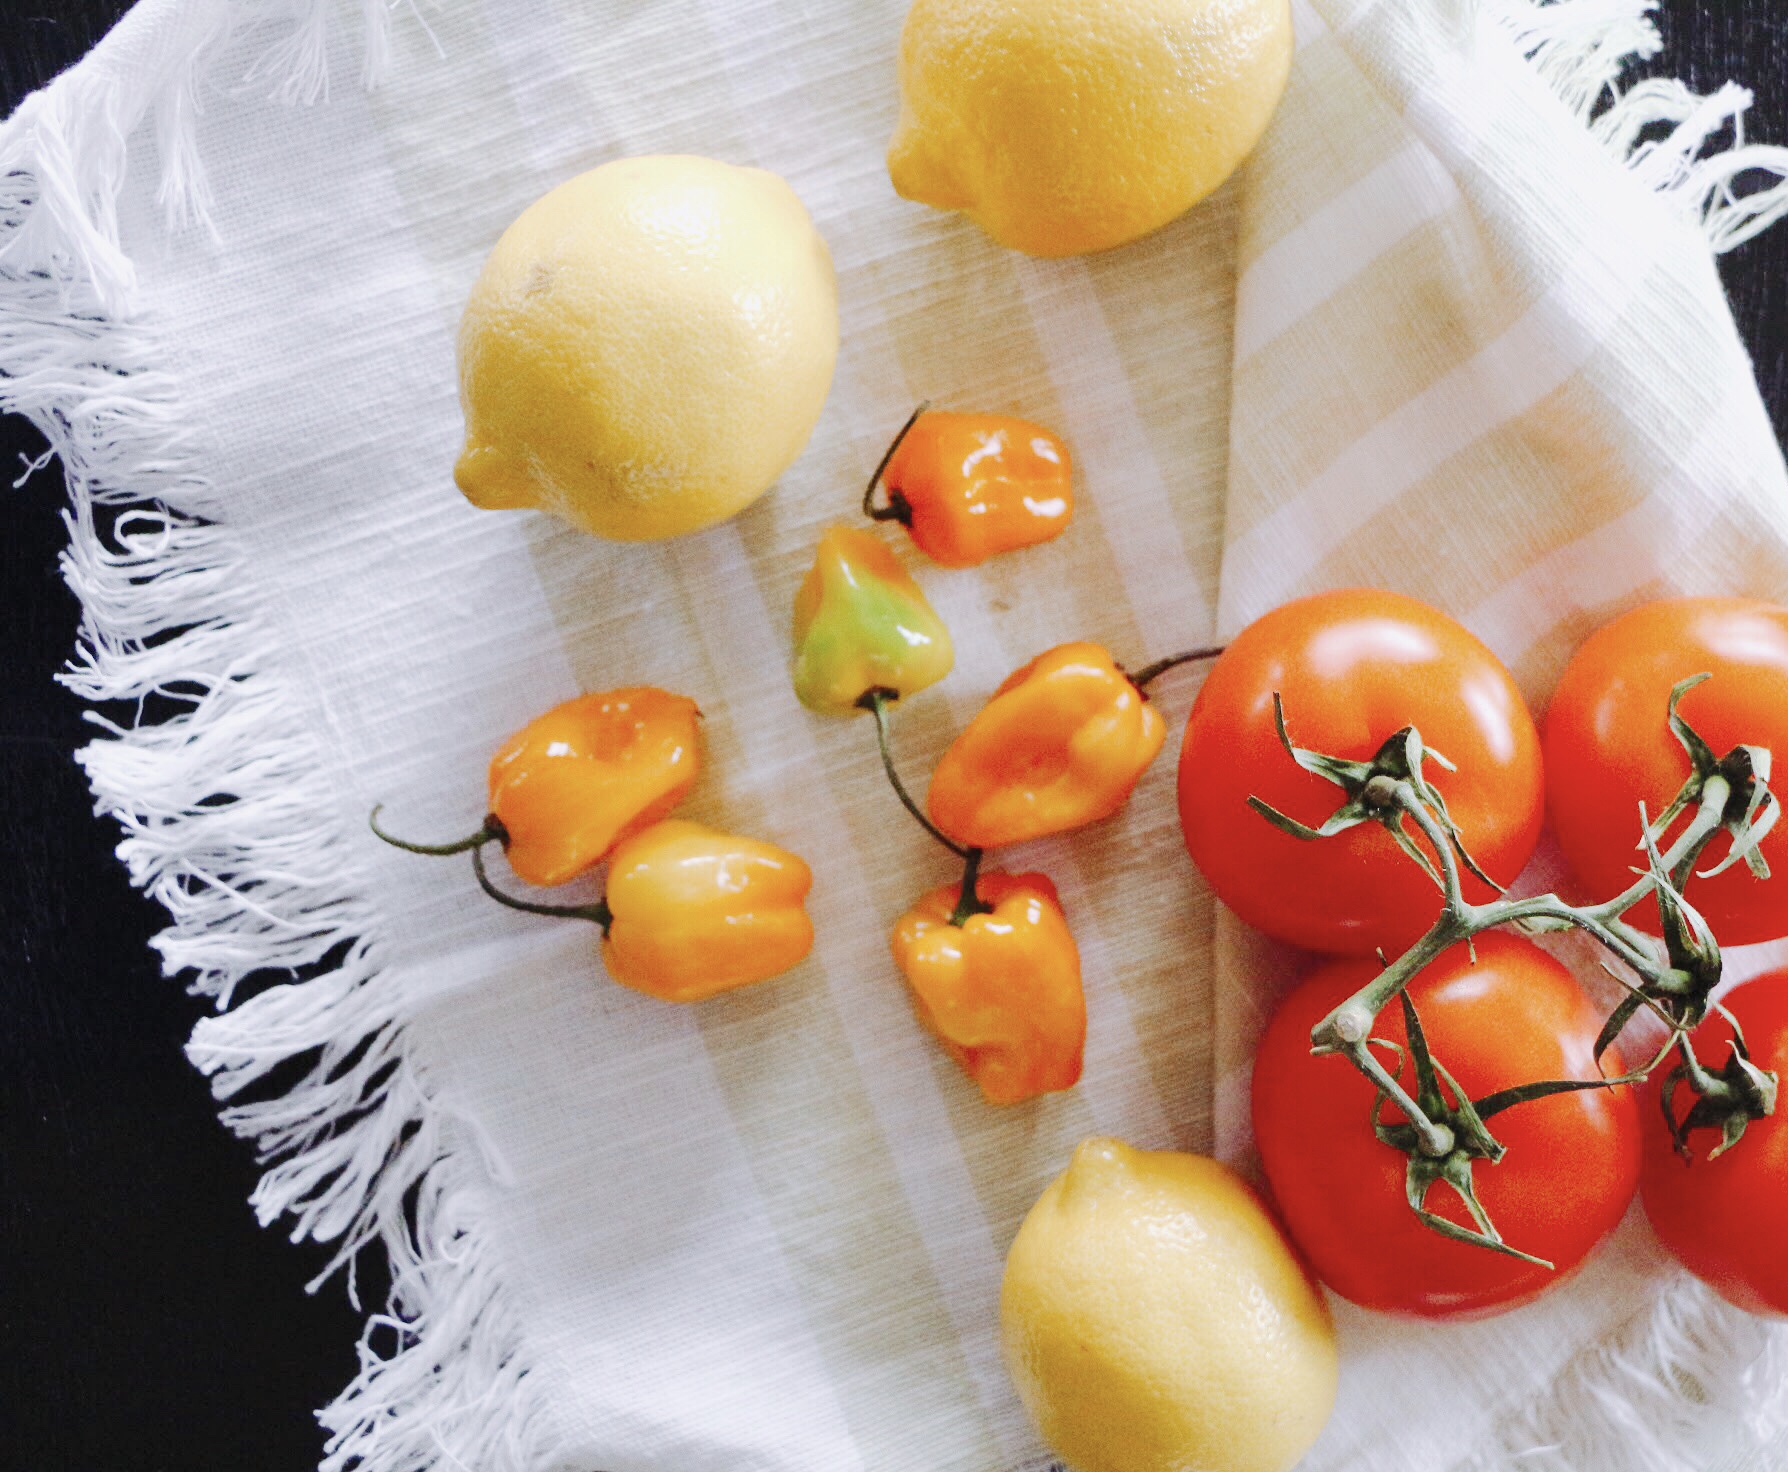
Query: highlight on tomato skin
pixel 1352 666
pixel 1513 1017
pixel 1608 746
pixel 1726 1219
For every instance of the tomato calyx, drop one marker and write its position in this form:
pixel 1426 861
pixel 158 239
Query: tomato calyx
pixel 1387 790
pixel 1457 1135
pixel 1727 1100
pixel 1737 783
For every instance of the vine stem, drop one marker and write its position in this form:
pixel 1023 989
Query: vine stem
pixel 1346 1029
pixel 876 702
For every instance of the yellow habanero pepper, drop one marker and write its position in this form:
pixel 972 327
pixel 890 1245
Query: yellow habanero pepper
pixel 1000 990
pixel 690 912
pixel 695 912
pixel 1062 743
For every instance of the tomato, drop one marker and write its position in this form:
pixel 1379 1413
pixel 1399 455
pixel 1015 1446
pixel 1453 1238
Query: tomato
pixel 1353 668
pixel 1726 1220
pixel 1609 746
pixel 1514 1017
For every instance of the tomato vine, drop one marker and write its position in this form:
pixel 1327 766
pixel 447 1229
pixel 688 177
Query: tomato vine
pixel 1443 1131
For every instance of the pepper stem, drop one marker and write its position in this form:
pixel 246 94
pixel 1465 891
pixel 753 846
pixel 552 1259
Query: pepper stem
pixel 493 831
pixel 1145 676
pixel 898 508
pixel 968 902
pixel 877 701
pixel 598 913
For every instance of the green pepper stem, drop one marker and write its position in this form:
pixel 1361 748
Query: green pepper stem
pixel 898 508
pixel 877 701
pixel 1145 676
pixel 493 831
pixel 598 913
pixel 968 902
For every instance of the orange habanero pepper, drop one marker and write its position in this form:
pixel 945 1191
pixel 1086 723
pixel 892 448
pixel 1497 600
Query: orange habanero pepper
pixel 1062 743
pixel 691 912
pixel 574 782
pixel 968 486
pixel 1001 991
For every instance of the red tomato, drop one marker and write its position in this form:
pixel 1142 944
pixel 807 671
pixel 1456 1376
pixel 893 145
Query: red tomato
pixel 1516 1016
pixel 1608 746
pixel 1353 668
pixel 1726 1220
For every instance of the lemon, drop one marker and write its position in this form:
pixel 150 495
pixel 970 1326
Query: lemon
pixel 1155 1320
pixel 647 348
pixel 1066 126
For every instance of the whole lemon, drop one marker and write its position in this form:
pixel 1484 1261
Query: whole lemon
pixel 1066 126
pixel 1155 1320
pixel 647 348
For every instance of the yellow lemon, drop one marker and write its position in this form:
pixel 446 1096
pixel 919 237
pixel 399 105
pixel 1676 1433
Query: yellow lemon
pixel 1155 1320
pixel 647 348
pixel 1066 126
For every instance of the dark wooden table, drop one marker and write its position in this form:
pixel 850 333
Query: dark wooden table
pixel 145 1321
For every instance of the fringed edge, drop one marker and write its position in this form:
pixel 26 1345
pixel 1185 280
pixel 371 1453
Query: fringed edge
pixel 1700 159
pixel 1692 1362
pixel 1661 1391
pixel 219 798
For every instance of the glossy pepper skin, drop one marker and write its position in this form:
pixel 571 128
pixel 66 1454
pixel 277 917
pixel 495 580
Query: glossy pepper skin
pixel 695 912
pixel 574 782
pixel 969 486
pixel 1001 991
pixel 1062 743
pixel 862 624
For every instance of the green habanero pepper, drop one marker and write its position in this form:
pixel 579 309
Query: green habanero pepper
pixel 861 624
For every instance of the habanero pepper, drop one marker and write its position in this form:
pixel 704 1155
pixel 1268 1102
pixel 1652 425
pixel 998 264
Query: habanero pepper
pixel 970 486
pixel 690 912
pixel 1062 743
pixel 576 780
pixel 862 624
pixel 1001 989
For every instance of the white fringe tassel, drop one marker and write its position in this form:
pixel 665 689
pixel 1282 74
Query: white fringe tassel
pixel 1672 1391
pixel 218 802
pixel 1581 47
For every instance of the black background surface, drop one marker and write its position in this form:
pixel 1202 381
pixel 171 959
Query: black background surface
pixel 146 1322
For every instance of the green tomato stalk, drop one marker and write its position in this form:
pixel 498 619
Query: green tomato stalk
pixel 1445 1131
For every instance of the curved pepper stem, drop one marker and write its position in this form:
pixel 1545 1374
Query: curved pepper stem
pixel 493 831
pixel 1149 673
pixel 898 508
pixel 969 903
pixel 877 701
pixel 598 913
